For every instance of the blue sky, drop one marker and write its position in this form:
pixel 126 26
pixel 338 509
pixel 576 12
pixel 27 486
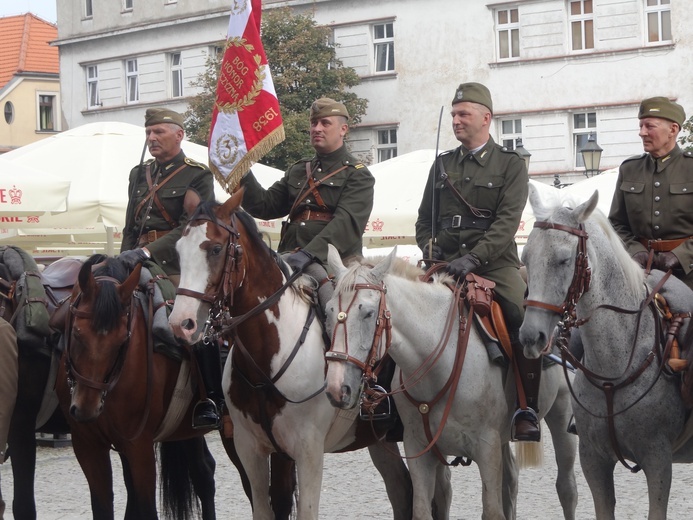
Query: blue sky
pixel 42 8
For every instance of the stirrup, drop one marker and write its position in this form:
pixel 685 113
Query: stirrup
pixel 213 422
pixel 526 415
pixel 370 411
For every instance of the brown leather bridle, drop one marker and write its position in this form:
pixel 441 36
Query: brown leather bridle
pixel 582 274
pixel 383 325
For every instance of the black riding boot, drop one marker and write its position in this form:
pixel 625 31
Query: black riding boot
pixel 525 423
pixel 207 412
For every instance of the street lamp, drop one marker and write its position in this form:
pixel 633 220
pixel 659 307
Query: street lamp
pixel 591 155
pixel 520 148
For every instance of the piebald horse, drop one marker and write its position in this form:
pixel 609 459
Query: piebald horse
pixel 627 401
pixel 454 401
pixel 232 284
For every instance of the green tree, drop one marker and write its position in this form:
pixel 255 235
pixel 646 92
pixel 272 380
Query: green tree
pixel 304 67
pixel 686 140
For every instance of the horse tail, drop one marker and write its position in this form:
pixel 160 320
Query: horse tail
pixel 529 454
pixel 177 494
pixel 687 349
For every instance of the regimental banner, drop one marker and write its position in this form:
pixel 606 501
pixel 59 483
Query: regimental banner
pixel 246 122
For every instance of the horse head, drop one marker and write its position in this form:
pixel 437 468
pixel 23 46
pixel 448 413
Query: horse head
pixel 215 251
pixel 98 333
pixel 356 320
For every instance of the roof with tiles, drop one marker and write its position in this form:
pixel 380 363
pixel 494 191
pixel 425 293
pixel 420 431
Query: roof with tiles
pixel 25 46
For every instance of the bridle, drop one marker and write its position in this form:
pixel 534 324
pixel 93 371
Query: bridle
pixel 582 276
pixel 383 325
pixel 73 375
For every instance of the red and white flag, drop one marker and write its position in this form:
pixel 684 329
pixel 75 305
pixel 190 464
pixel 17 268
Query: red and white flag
pixel 246 122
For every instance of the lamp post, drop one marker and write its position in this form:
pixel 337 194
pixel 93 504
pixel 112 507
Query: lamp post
pixel 591 155
pixel 520 148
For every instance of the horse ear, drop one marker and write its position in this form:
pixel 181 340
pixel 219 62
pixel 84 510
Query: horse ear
pixel 334 261
pixel 126 289
pixel 233 203
pixel 383 267
pixel 86 281
pixel 584 210
pixel 535 199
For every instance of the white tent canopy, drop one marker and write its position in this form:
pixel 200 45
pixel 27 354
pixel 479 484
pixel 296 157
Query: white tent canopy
pixel 29 192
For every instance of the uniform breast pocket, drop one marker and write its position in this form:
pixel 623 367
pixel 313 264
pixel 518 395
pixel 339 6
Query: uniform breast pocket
pixel 331 189
pixel 487 191
pixel 172 199
pixel 681 202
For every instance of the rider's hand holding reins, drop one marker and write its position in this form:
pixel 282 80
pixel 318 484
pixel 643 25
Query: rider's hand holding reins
pixel 299 260
pixel 641 258
pixel 666 260
pixel 461 267
pixel 133 257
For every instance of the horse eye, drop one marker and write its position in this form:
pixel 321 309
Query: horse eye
pixel 216 250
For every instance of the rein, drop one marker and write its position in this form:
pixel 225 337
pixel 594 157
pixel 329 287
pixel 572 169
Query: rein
pixel 567 310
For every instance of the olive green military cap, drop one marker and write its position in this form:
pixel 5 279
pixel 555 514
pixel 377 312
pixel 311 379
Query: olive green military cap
pixel 663 108
pixel 474 93
pixel 155 116
pixel 325 107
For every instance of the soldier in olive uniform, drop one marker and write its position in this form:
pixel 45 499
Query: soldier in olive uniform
pixel 328 198
pixel 652 208
pixel 480 192
pixel 163 191
pixel 8 383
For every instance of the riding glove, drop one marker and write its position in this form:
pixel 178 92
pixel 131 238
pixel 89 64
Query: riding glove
pixel 461 267
pixel 666 260
pixel 299 260
pixel 641 258
pixel 133 257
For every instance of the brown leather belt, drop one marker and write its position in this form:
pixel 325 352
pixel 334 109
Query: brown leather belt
pixel 312 214
pixel 151 236
pixel 663 245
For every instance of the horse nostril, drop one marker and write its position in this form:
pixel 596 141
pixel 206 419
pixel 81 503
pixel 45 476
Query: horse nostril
pixel 188 324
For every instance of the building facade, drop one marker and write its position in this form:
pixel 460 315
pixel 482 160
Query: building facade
pixel 558 70
pixel 29 82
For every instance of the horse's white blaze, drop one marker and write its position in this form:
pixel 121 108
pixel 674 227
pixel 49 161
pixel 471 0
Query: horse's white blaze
pixel 194 276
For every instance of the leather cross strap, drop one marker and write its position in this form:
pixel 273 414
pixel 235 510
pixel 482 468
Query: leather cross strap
pixel 152 196
pixel 477 212
pixel 313 188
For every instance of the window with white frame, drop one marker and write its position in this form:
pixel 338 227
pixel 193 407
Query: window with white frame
pixel 132 81
pixel 387 144
pixel 658 13
pixel 127 5
pixel 510 132
pixel 176 64
pixel 93 86
pixel 47 112
pixel 88 9
pixel 584 124
pixel 581 24
pixel 384 46
pixel 508 33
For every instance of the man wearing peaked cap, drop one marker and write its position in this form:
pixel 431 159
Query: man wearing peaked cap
pixel 162 193
pixel 480 192
pixel 651 208
pixel 327 198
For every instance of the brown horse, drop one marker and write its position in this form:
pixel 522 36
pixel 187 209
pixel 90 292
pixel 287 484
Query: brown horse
pixel 35 357
pixel 232 284
pixel 120 393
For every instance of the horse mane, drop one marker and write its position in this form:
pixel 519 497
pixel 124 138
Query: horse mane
pixel 107 307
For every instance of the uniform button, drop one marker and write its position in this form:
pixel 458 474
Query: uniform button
pixel 346 162
pixel 163 262
pixel 173 192
pixel 331 183
pixel 657 198
pixel 467 179
pixel 657 184
pixel 656 213
pixel 632 188
pixel 464 246
pixel 148 217
pixel 685 189
pixel 490 185
pixel 656 227
pixel 319 169
pixel 303 223
pixel 504 148
pixel 308 201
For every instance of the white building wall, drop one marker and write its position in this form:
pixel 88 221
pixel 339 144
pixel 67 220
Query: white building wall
pixel 438 44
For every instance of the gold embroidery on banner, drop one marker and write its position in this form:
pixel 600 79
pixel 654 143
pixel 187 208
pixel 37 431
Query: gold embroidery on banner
pixel 238 6
pixel 233 77
pixel 227 149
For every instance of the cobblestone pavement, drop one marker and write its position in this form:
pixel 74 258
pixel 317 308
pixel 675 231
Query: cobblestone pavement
pixel 352 489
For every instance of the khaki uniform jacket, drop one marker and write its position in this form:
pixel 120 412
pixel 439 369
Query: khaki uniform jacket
pixel 348 195
pixel 194 176
pixel 493 179
pixel 654 200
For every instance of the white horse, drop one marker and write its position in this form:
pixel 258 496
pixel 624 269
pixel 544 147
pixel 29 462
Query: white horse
pixel 274 378
pixel 424 343
pixel 646 413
